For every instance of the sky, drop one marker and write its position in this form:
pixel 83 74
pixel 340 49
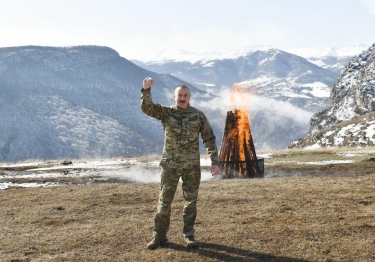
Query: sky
pixel 139 29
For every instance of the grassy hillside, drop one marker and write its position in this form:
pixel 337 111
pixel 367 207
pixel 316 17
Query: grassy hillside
pixel 304 212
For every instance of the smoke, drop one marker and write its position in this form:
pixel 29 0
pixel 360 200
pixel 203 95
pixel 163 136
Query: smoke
pixel 137 173
pixel 273 110
pixel 98 171
pixel 276 110
pixel 143 173
pixel 274 124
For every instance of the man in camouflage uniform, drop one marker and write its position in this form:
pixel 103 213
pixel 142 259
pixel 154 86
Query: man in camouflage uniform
pixel 182 125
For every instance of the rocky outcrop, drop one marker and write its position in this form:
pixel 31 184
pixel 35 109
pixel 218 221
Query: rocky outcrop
pixel 356 132
pixel 353 96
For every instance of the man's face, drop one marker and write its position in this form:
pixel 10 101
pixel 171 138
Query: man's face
pixel 182 97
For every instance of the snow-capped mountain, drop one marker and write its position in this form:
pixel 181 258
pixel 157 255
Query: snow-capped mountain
pixel 83 102
pixel 331 58
pixel 76 102
pixel 177 55
pixel 351 110
pixel 272 73
pixel 325 51
pixel 352 95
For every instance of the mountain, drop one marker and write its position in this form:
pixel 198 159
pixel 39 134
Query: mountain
pixel 83 101
pixel 272 73
pixel 349 119
pixel 333 59
pixel 76 102
pixel 177 55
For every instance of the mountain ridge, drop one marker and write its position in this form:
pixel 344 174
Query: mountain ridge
pixel 267 71
pixel 319 51
pixel 75 102
pixel 352 98
pixel 83 101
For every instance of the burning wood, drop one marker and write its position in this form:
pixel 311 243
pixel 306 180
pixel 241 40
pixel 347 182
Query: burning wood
pixel 237 154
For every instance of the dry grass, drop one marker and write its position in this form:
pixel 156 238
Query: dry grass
pixel 317 213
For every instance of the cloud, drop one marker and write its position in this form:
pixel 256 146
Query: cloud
pixel 273 110
pixel 214 39
pixel 370 5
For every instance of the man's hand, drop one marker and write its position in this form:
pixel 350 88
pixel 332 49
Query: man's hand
pixel 215 170
pixel 148 82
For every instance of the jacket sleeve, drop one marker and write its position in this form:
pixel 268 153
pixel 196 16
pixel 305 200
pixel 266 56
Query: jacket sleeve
pixel 209 140
pixel 149 108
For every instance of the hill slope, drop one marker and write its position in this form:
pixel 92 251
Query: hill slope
pixel 349 120
pixel 83 102
pixel 272 73
pixel 75 102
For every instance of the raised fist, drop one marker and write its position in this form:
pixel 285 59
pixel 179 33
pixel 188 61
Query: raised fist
pixel 148 82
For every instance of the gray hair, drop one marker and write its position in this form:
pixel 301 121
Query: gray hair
pixel 182 87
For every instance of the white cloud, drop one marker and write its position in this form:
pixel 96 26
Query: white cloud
pixel 140 29
pixel 211 39
pixel 370 5
pixel 273 110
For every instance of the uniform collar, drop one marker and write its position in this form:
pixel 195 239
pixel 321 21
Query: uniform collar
pixel 179 109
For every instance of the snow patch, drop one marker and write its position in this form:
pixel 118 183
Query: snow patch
pixel 122 169
pixel 323 51
pixel 319 89
pixel 326 162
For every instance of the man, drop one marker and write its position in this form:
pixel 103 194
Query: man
pixel 182 125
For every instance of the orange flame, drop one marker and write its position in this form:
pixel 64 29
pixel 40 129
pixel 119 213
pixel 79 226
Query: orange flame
pixel 237 151
pixel 240 99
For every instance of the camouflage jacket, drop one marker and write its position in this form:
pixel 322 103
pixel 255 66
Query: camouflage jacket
pixel 182 127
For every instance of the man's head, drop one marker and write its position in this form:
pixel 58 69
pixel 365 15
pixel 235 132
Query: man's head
pixel 182 96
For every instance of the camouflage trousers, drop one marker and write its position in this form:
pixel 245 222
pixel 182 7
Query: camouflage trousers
pixel 190 185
